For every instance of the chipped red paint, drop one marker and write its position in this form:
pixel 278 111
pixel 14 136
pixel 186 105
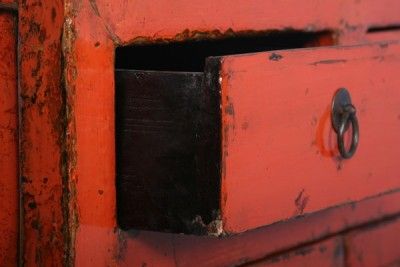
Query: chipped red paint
pixel 67 135
pixel 8 140
pixel 270 176
pixel 138 21
pixel 41 164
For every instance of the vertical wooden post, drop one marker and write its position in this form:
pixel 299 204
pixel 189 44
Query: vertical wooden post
pixel 45 234
pixel 8 137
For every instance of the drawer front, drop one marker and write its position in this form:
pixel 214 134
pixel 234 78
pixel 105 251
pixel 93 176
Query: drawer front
pixel 279 150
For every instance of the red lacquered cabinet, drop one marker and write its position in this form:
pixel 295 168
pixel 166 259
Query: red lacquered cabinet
pixel 199 133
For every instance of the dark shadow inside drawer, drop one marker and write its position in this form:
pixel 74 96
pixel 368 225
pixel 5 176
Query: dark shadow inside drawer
pixel 168 128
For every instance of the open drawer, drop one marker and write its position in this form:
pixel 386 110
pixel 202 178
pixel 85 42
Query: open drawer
pixel 251 142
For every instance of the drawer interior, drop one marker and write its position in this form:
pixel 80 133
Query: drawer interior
pixel 168 129
pixel 190 55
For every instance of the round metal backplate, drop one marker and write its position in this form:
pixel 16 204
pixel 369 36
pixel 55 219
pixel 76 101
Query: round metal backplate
pixel 340 100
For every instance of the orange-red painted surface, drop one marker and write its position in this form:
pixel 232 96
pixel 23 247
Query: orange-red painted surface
pixel 9 141
pixel 385 35
pixel 141 21
pixel 280 156
pixel 156 249
pixel 67 136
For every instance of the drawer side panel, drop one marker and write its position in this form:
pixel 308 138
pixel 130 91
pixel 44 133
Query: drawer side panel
pixel 8 140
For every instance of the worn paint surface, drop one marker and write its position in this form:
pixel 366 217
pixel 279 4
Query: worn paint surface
pixel 90 71
pixel 68 127
pixel 41 164
pixel 138 21
pixel 8 140
pixel 101 25
pixel 374 246
pixel 326 253
pixel 285 162
pixel 158 249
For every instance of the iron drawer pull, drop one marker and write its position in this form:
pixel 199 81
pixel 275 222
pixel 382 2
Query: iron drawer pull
pixel 349 116
pixel 344 114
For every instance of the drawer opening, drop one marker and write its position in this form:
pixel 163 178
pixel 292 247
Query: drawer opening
pixel 389 28
pixel 167 151
pixel 191 55
pixel 168 129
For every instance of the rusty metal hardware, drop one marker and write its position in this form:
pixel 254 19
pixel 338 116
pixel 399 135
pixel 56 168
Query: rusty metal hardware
pixel 344 114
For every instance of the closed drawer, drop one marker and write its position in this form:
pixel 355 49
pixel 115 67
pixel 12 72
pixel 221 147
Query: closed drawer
pixel 250 142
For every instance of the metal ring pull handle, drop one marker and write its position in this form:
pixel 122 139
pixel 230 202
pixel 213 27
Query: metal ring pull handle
pixel 344 114
pixel 349 116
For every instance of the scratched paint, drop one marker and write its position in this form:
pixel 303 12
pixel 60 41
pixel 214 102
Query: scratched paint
pixel 8 139
pixel 135 21
pixel 277 154
pixel 40 27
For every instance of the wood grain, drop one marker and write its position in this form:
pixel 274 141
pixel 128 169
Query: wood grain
pixel 167 118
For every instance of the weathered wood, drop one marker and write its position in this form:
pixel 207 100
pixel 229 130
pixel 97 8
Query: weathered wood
pixel 12 6
pixel 43 160
pixel 175 184
pixel 93 30
pixel 158 118
pixel 280 155
pixel 140 21
pixel 163 122
pixel 9 212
